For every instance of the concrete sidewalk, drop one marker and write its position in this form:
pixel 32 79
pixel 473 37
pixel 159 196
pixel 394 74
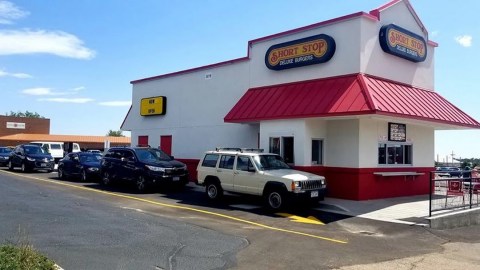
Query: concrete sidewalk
pixel 413 210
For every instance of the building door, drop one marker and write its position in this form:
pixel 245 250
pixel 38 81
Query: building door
pixel 283 146
pixel 166 144
pixel 142 140
pixel 287 150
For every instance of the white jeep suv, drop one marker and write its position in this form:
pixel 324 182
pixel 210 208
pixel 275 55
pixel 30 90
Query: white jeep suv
pixel 250 171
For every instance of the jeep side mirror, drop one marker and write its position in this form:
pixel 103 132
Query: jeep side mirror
pixel 251 169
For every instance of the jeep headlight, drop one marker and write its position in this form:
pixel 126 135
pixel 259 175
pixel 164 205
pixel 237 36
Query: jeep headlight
pixel 92 169
pixel 155 168
pixel 51 159
pixel 30 159
pixel 296 186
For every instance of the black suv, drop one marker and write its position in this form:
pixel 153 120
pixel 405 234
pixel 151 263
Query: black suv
pixel 143 166
pixel 30 157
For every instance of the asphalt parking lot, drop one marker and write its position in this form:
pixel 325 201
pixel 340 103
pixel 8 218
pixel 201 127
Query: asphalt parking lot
pixel 246 235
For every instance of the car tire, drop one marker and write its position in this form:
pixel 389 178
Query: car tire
pixel 84 176
pixel 141 184
pixel 61 173
pixel 213 190
pixel 275 199
pixel 10 165
pixel 24 168
pixel 106 179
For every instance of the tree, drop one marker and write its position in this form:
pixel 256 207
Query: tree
pixel 26 114
pixel 115 133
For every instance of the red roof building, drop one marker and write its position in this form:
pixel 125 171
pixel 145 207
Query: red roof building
pixel 352 98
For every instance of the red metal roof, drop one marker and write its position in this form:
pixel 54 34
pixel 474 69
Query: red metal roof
pixel 356 94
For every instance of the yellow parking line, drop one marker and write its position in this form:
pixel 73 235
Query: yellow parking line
pixel 181 207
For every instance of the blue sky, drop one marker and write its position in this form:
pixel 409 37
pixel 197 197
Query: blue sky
pixel 72 61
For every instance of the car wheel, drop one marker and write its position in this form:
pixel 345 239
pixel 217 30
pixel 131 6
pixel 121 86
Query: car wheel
pixel 10 165
pixel 106 178
pixel 141 184
pixel 24 168
pixel 214 191
pixel 275 199
pixel 84 176
pixel 61 173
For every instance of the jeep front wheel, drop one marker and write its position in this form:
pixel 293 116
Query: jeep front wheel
pixel 275 199
pixel 214 190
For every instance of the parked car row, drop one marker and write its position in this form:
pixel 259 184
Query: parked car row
pixel 455 172
pixel 235 170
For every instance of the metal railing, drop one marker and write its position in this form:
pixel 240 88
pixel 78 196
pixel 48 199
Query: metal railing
pixel 453 192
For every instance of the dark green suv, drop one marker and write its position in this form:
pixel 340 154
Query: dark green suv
pixel 143 166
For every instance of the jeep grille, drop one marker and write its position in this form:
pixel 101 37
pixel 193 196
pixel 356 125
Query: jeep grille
pixel 311 184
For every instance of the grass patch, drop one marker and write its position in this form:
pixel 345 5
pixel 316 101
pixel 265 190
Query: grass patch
pixel 23 256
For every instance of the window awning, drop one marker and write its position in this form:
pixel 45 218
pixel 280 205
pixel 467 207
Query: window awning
pixel 349 95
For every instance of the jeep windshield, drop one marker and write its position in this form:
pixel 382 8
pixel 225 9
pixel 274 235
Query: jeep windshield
pixel 270 162
pixel 152 155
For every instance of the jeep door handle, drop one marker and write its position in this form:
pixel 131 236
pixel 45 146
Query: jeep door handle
pixel 235 172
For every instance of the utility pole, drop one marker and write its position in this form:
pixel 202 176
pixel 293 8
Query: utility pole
pixel 453 155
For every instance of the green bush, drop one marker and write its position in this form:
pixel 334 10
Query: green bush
pixel 23 257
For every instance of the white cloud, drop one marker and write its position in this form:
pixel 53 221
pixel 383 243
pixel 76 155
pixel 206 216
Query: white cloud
pixel 116 103
pixel 44 91
pixel 39 91
pixel 10 12
pixel 51 42
pixel 76 89
pixel 67 100
pixel 465 40
pixel 15 75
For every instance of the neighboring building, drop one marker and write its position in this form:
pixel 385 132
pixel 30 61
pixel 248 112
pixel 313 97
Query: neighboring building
pixel 351 98
pixel 10 125
pixel 85 142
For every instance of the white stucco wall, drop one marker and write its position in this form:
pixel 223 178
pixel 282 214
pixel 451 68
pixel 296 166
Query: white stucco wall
pixel 342 147
pixel 346 59
pixel 376 62
pixel 195 110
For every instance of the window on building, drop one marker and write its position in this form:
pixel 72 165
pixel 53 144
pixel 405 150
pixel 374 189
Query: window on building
pixel 394 153
pixel 317 152
pixel 283 146
pixel 274 145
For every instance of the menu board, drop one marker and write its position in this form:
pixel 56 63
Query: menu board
pixel 397 132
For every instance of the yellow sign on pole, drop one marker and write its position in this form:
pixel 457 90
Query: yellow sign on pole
pixel 153 106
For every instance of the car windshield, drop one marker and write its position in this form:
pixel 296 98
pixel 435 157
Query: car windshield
pixel 5 150
pixel 270 162
pixel 152 155
pixel 34 150
pixel 90 158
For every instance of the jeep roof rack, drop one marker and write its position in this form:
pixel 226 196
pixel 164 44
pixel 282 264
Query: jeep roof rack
pixel 241 150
